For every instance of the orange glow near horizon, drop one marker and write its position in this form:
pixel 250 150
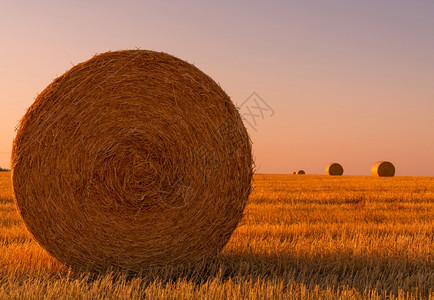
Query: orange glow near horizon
pixel 349 82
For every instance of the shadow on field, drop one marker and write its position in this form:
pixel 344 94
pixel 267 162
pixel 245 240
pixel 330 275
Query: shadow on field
pixel 338 271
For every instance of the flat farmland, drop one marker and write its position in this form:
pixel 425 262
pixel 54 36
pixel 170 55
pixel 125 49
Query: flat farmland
pixel 302 237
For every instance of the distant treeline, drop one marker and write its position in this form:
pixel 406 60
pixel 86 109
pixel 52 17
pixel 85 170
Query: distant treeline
pixel 4 170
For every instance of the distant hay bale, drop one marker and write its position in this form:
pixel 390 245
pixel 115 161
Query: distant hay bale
pixel 334 169
pixel 300 172
pixel 383 169
pixel 132 159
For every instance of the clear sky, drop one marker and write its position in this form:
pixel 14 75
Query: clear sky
pixel 348 81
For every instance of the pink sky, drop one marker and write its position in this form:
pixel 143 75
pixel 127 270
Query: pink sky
pixel 349 81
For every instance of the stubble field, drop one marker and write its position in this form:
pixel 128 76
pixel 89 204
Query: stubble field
pixel 303 237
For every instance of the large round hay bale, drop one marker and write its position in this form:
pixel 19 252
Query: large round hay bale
pixel 132 159
pixel 300 172
pixel 334 169
pixel 383 169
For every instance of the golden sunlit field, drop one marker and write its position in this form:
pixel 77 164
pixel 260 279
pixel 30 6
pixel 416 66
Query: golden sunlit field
pixel 303 237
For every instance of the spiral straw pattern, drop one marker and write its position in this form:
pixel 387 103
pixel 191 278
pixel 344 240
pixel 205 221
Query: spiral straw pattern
pixel 130 160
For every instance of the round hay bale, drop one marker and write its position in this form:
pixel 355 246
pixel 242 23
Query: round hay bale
pixel 334 169
pixel 132 159
pixel 300 172
pixel 383 169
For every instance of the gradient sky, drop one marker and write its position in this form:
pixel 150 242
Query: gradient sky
pixel 349 81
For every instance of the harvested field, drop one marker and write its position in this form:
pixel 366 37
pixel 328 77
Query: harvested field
pixel 302 237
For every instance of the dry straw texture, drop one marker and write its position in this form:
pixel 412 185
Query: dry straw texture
pixel 334 169
pixel 383 169
pixel 129 160
pixel 300 172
